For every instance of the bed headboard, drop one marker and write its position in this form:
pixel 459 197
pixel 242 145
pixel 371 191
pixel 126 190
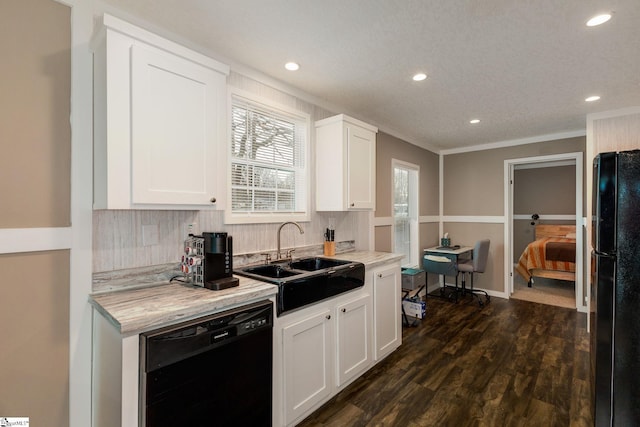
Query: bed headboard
pixel 554 230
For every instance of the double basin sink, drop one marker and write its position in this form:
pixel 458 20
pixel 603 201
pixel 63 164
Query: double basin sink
pixel 305 281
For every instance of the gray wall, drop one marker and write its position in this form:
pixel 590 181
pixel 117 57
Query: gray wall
pixel 474 186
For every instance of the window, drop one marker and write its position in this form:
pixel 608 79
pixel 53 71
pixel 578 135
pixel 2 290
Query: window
pixel 405 212
pixel 268 168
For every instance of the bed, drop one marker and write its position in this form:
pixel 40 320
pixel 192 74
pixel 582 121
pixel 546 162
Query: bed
pixel 551 255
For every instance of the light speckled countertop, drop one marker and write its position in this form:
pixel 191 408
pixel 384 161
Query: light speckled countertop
pixel 139 310
pixel 368 258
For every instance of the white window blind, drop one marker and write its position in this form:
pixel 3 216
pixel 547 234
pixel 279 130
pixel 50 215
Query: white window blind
pixel 268 167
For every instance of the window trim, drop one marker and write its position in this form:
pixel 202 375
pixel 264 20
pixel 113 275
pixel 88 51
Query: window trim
pixel 231 217
pixel 414 218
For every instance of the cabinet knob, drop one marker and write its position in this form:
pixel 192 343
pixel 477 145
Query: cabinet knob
pixel 380 275
pixel 328 317
pixel 344 310
pixel 213 200
pixel 353 204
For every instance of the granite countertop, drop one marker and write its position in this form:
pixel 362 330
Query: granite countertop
pixel 370 259
pixel 140 310
pixel 161 304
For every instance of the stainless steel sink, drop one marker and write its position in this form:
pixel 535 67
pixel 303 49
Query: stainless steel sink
pixel 306 281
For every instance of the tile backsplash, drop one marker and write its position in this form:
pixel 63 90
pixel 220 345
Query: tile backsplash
pixel 119 242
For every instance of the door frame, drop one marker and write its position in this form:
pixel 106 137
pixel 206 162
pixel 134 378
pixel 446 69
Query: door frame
pixel 509 167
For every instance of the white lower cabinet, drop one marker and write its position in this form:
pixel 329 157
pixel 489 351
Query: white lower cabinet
pixel 307 362
pixel 387 309
pixel 321 349
pixel 354 339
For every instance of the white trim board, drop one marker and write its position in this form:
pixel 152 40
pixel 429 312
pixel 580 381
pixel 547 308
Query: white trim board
pixel 19 240
pixel 540 165
pixel 80 319
pixel 428 219
pixel 387 221
pixel 474 219
pixel 546 217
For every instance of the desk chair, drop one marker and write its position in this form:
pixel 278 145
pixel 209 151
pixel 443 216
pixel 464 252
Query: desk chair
pixel 477 264
pixel 442 265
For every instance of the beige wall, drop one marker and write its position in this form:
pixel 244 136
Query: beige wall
pixel 388 148
pixel 466 234
pixel 34 314
pixel 35 174
pixel 35 37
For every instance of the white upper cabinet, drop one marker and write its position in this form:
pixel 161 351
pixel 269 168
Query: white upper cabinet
pixel 160 122
pixel 345 164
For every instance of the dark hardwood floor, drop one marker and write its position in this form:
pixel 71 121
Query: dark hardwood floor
pixel 512 363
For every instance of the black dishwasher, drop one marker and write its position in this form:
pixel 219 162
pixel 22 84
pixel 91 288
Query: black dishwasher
pixel 212 371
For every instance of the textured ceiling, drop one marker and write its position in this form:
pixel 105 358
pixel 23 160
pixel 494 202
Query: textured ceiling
pixel 523 68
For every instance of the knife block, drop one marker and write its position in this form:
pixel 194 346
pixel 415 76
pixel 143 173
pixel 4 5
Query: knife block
pixel 329 248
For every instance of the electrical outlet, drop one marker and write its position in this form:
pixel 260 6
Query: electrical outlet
pixel 150 235
pixel 191 228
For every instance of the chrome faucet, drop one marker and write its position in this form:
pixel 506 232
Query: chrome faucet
pixel 278 254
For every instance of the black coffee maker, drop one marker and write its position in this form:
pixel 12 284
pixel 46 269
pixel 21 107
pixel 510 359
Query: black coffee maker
pixel 218 261
pixel 208 261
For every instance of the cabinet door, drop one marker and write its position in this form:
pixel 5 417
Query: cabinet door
pixel 387 313
pixel 175 131
pixel 361 168
pixel 354 338
pixel 307 364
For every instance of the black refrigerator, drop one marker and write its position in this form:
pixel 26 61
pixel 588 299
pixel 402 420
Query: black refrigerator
pixel 615 289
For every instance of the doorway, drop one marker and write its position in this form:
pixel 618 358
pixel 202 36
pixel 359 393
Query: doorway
pixel 516 234
pixel 405 211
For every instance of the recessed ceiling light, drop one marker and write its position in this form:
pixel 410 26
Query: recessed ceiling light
pixel 419 77
pixel 598 19
pixel 292 66
pixel 592 98
pixel 474 121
